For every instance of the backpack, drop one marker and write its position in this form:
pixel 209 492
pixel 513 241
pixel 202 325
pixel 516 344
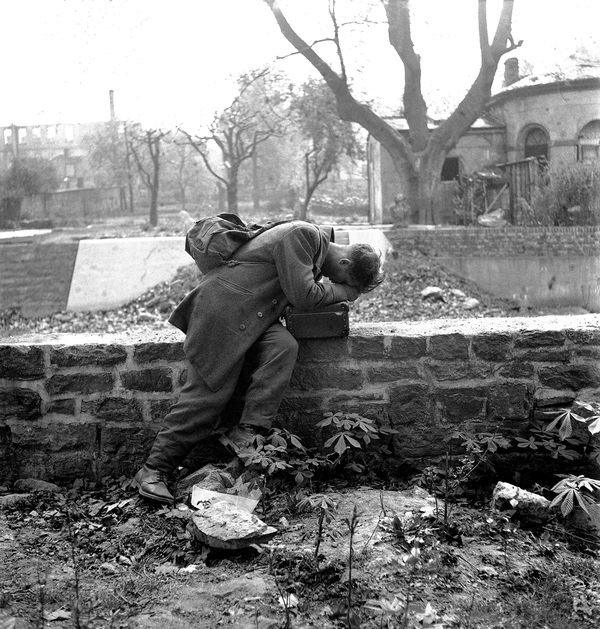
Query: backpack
pixel 214 239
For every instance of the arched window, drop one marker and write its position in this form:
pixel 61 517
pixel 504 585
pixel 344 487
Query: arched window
pixel 588 144
pixel 536 143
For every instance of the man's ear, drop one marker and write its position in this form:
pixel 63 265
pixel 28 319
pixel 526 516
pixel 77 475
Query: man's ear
pixel 344 261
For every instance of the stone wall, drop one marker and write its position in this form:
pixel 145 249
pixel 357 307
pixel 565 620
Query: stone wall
pixel 502 241
pixel 89 406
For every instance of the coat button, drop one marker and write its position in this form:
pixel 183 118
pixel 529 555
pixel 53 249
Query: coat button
pixel 242 326
pixel 274 302
pixel 259 314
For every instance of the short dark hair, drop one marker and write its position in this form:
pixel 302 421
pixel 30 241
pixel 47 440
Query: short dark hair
pixel 365 267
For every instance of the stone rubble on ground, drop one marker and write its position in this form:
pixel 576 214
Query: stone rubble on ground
pixel 529 508
pixel 227 526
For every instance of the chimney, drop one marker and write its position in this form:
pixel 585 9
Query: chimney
pixel 111 98
pixel 511 71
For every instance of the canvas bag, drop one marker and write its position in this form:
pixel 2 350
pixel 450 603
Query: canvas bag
pixel 213 240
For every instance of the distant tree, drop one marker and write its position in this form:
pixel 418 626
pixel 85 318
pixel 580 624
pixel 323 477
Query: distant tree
pixel 184 176
pixel 251 119
pixel 110 158
pixel 146 148
pixel 326 137
pixel 25 177
pixel 419 156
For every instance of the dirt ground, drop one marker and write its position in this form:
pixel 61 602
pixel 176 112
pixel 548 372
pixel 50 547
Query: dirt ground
pixel 98 557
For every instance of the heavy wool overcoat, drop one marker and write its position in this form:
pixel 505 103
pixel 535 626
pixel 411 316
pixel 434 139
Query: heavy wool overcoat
pixel 235 303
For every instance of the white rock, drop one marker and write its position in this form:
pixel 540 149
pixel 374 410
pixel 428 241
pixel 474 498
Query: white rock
pixel 458 293
pixel 224 525
pixel 471 303
pixel 432 292
pixel 530 508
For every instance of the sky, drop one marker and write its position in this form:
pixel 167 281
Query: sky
pixel 173 63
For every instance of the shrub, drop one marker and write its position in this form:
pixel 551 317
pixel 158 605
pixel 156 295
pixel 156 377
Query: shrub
pixel 569 195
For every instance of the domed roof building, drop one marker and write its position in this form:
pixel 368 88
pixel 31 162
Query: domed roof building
pixel 544 117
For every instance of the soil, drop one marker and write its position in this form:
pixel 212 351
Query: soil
pixel 101 556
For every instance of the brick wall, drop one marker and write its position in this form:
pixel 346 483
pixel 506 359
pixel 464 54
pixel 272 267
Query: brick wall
pixel 89 406
pixel 503 241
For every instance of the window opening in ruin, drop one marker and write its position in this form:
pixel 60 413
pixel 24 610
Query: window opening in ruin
pixel 536 144
pixel 450 169
pixel 22 135
pixel 69 134
pixel 588 142
pixel 7 136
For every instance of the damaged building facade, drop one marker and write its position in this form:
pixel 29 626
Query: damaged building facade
pixel 553 116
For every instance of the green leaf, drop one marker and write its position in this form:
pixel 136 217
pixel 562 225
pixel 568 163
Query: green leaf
pixel 594 427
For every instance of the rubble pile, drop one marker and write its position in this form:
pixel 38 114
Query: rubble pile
pixel 407 294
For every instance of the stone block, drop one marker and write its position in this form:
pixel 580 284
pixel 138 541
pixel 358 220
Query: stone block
pixel 306 378
pixel 300 403
pixel 322 350
pixel 21 362
pixel 151 352
pixel 20 404
pixel 84 355
pixel 410 405
pixel 62 407
pixel 114 409
pixel 449 347
pixel 549 397
pixel 159 408
pixel 408 347
pixel 572 377
pixel 493 347
pixel 540 338
pixel 60 384
pixel 154 380
pixel 458 370
pixel 517 369
pixel 56 437
pixel 584 337
pixel 509 401
pixel 128 442
pixel 545 355
pixel 367 347
pixel 393 372
pixel 461 404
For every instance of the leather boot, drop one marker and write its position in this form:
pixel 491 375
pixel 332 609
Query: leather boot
pixel 240 438
pixel 152 484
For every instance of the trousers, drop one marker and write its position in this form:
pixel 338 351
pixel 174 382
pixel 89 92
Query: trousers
pixel 193 417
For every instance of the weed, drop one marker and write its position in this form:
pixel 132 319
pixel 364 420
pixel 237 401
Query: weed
pixel 326 507
pixel 354 436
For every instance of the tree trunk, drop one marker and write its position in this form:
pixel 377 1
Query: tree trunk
pixel 255 182
pixel 232 196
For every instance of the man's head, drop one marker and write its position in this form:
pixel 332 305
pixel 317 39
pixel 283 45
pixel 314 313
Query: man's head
pixel 358 265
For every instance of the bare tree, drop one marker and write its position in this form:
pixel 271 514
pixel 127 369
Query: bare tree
pixel 250 120
pixel 145 147
pixel 418 158
pixel 327 137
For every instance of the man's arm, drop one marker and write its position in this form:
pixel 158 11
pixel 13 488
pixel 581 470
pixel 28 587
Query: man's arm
pixel 294 258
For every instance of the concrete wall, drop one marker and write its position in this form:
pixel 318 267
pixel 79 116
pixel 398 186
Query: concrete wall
pixel 545 267
pixel 88 406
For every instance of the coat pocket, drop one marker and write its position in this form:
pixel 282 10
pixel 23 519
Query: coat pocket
pixel 236 288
